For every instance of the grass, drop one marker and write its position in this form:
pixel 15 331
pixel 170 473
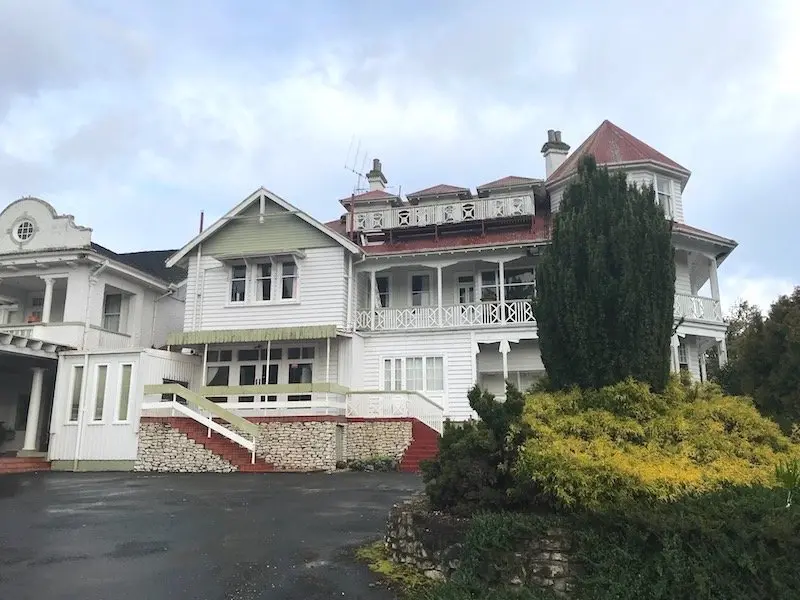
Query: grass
pixel 406 578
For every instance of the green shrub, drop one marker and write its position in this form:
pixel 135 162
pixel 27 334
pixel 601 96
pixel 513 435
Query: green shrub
pixel 375 463
pixel 738 543
pixel 475 466
pixel 623 443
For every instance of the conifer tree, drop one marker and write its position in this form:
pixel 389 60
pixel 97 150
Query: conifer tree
pixel 606 285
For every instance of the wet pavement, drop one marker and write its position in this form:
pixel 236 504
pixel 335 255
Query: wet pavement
pixel 200 536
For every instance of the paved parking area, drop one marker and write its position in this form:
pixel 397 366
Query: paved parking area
pixel 200 536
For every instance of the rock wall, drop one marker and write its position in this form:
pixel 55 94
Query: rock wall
pixel 299 445
pixel 371 439
pixel 162 448
pixel 432 542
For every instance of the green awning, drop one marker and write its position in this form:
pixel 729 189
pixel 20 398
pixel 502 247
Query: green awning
pixel 239 336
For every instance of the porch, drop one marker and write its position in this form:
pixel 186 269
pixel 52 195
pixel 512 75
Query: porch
pixel 490 291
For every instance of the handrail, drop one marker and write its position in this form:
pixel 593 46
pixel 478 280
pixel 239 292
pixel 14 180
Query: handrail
pixel 203 420
pixel 204 403
pixel 273 388
pixel 408 392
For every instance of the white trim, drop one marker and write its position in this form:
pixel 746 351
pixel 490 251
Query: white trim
pixel 118 397
pixel 92 419
pixel 256 196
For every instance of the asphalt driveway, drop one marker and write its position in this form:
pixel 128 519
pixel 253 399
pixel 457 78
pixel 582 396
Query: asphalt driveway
pixel 200 536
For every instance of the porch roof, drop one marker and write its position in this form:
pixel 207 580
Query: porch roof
pixel 236 336
pixel 22 345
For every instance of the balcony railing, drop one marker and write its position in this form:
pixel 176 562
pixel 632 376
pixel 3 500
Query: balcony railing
pixel 511 312
pixel 459 211
pixel 697 307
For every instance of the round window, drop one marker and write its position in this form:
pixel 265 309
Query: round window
pixel 24 231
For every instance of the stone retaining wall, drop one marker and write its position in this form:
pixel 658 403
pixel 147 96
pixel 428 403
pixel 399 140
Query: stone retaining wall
pixel 162 448
pixel 370 439
pixel 298 445
pixel 432 542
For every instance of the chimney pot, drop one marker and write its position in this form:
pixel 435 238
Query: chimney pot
pixel 554 150
pixel 377 180
pixel 551 135
pixel 558 136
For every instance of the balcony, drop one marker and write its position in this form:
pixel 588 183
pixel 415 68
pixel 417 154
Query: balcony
pixel 698 307
pixel 459 211
pixel 70 334
pixel 511 312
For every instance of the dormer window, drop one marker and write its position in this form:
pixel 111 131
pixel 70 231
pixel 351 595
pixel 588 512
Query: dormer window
pixel 664 194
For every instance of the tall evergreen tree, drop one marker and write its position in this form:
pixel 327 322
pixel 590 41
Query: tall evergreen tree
pixel 606 285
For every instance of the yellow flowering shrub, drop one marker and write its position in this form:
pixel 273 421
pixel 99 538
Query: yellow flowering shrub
pixel 595 448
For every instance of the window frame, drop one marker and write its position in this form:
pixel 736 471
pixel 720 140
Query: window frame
pixel 398 365
pixel 95 380
pixel 118 397
pixel 507 285
pixel 259 279
pixel 377 291
pixel 253 278
pixel 429 277
pixel 457 288
pixel 71 403
pixel 667 203
pixel 107 314
pixel 232 279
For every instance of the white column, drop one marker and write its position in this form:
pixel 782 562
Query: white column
pixel 674 343
pixel 702 357
pixel 47 305
pixel 373 289
pixel 32 425
pixel 502 282
pixel 439 318
pixel 327 366
pixel 713 277
pixel 723 353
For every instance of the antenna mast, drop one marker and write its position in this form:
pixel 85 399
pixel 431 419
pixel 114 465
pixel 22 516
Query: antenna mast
pixel 360 185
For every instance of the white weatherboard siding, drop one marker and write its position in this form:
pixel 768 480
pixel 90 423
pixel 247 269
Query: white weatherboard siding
pixel 321 300
pixel 682 281
pixel 108 439
pixel 455 347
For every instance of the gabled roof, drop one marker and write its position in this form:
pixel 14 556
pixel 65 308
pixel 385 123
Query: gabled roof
pixel 509 181
pixel 246 203
pixel 151 262
pixel 439 190
pixel 367 196
pixel 612 145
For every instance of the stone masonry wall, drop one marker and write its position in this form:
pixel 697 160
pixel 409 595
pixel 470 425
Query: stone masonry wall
pixel 162 448
pixel 431 542
pixel 298 445
pixel 370 439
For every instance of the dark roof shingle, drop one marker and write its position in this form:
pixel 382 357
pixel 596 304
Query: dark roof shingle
pixel 151 262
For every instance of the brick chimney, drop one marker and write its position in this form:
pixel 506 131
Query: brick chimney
pixel 555 152
pixel 377 180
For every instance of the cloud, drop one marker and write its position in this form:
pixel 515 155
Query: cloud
pixel 759 290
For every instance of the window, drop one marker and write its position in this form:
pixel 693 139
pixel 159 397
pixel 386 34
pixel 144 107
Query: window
pixel 288 280
pixel 264 281
pixel 383 291
pixel 434 373
pixel 664 194
pixel 420 290
pixel 683 356
pixel 217 375
pixel 466 289
pixel 306 352
pixel 100 376
pixel 489 289
pixel 112 312
pixel 248 355
pixel 247 376
pixel 24 231
pixel 125 381
pixel 76 390
pixel 238 283
pixel 300 373
pixel 414 374
pixel 37 307
pixel 520 284
pixel 219 356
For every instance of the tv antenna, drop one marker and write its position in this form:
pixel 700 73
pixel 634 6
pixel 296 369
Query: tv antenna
pixel 360 185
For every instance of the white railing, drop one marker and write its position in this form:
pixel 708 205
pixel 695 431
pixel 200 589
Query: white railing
pixel 513 312
pixel 378 404
pixel 697 307
pixel 320 404
pixel 169 408
pixel 458 211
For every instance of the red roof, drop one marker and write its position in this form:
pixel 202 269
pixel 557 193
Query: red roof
pixel 338 226
pixel 612 145
pixel 697 232
pixel 511 180
pixel 366 196
pixel 439 190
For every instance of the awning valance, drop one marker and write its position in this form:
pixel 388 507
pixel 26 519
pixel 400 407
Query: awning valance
pixel 242 336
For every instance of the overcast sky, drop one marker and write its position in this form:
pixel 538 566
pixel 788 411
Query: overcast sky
pixel 135 116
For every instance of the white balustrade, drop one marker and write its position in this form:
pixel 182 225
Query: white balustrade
pixel 458 315
pixel 396 404
pixel 697 307
pixel 440 214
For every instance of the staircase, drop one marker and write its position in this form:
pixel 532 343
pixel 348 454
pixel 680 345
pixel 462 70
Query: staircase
pixel 424 446
pixel 12 464
pixel 219 445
